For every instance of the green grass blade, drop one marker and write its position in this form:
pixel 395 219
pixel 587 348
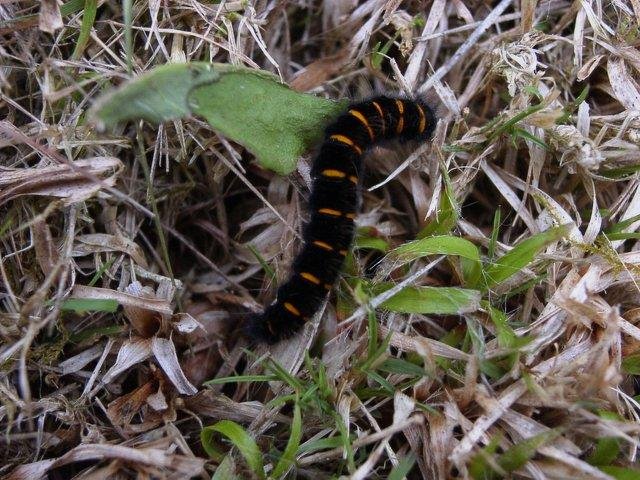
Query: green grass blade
pixel 401 470
pixel 320 444
pixel 521 255
pixel 366 239
pixel 506 336
pixel 226 470
pixel 448 212
pixel 516 456
pixel 622 473
pixel 402 367
pixel 239 438
pixel 509 124
pixel 444 245
pixel 493 240
pixel 127 9
pixel 431 300
pixel 89 305
pixel 270 272
pixel 623 236
pixel 241 379
pixel 88 17
pixel 289 456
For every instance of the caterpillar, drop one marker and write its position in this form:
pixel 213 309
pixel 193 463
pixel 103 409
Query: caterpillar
pixel 333 202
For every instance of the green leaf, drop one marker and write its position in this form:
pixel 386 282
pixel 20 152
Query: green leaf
pixel 621 172
pixel 448 212
pixel 495 230
pixel 521 255
pixel 270 272
pixel 478 466
pixel 431 300
pixel 401 470
pixel 156 96
pixel 606 451
pixel 226 470
pixel 384 383
pixel 620 226
pixel 492 369
pixel 444 245
pixel 522 133
pixel 95 333
pixel 371 242
pixel 506 336
pixel 380 51
pixel 622 473
pixel 510 123
pixel 631 364
pixel 372 343
pixel 571 107
pixel 103 268
pixel 402 367
pixel 90 305
pixel 513 459
pixel 320 444
pixel 251 107
pixel 516 456
pixel 240 439
pixel 289 456
pixel 272 121
pixel 283 375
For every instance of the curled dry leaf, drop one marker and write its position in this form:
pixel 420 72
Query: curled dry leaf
pixel 65 181
pixel 518 62
pixel 122 410
pixel 158 459
pixel 318 72
pixel 103 242
pixel 131 353
pixel 403 407
pixel 157 401
pixel 46 250
pixel 575 147
pixel 144 320
pixel 148 403
pixel 50 16
pixel 167 357
pixel 185 323
pixel 624 87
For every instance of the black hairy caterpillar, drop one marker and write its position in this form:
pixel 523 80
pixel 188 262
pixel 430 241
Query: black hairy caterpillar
pixel 333 202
